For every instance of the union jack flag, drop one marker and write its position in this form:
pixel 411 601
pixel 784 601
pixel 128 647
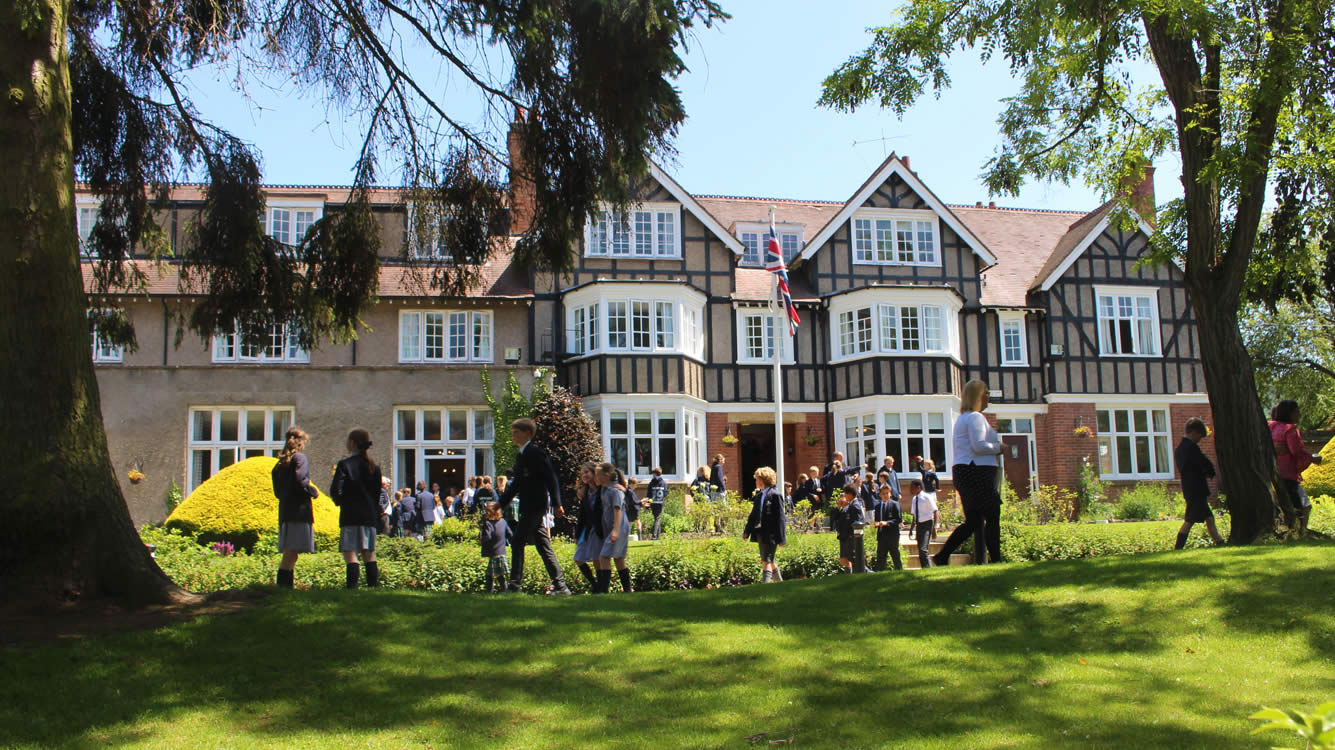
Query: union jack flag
pixel 774 263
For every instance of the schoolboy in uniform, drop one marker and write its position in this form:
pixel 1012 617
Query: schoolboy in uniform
pixel 845 518
pixel 658 492
pixel 1196 471
pixel 494 538
pixel 887 518
pixel 925 519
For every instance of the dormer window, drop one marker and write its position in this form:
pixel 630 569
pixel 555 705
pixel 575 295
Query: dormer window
pixel 754 237
pixel 896 237
pixel 647 230
pixel 288 219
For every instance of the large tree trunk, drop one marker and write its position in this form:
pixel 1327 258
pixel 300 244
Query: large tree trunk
pixel 1242 441
pixel 66 530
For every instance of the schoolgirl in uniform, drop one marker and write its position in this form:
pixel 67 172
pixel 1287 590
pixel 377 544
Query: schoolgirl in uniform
pixel 296 518
pixel 658 491
pixel 617 525
pixel 589 529
pixel 356 490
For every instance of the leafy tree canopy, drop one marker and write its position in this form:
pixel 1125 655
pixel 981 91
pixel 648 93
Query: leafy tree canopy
pixel 592 81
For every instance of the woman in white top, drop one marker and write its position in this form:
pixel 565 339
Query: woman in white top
pixel 974 470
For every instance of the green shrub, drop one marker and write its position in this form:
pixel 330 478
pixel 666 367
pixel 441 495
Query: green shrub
pixel 1149 501
pixel 1323 515
pixel 1071 541
pixel 1319 479
pixel 455 530
pixel 237 505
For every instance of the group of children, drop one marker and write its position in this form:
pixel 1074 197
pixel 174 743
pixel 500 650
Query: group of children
pixel 852 515
pixel 410 513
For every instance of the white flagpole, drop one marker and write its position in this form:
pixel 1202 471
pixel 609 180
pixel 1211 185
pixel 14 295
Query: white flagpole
pixel 779 326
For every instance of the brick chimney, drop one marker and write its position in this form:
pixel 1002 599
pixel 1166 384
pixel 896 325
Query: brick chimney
pixel 1139 189
pixel 523 195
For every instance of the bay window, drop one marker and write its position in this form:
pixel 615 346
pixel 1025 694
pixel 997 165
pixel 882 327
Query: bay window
pixel 892 329
pixel 638 438
pixel 633 324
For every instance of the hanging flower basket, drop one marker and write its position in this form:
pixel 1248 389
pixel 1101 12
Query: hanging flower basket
pixel 813 439
pixel 136 476
pixel 730 440
pixel 1084 431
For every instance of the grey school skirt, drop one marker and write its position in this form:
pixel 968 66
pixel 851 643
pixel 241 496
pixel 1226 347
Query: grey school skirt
pixel 296 536
pixel 356 539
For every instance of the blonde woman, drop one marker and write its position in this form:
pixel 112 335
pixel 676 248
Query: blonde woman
pixel 974 470
pixel 766 525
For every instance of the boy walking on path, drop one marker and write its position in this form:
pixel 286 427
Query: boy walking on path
pixel 1196 471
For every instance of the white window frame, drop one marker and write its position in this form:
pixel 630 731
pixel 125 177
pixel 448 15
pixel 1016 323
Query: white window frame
pixel 228 348
pixel 420 246
pixel 86 212
pixel 1016 322
pixel 1109 440
pixel 475 447
pixel 754 237
pixel 875 244
pixel 936 319
pixel 104 352
pixel 292 206
pixel 1108 347
pixel 772 321
pixel 873 415
pixel 607 236
pixel 476 344
pixel 218 449
pixel 689 433
pixel 607 318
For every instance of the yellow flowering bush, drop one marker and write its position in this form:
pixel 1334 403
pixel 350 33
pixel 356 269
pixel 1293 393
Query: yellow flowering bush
pixel 1319 479
pixel 237 505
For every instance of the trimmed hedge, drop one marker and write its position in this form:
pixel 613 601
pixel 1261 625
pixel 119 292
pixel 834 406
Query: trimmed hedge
pixel 237 505
pixel 1069 541
pixel 669 564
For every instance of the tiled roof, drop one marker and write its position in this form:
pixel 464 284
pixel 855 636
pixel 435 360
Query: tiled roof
pixel 500 278
pixel 734 210
pixel 192 191
pixel 1024 240
pixel 755 284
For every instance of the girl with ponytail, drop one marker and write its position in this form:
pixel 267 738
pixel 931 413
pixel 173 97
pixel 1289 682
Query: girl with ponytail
pixel 356 490
pixel 296 519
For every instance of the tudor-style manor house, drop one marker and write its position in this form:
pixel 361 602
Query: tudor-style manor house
pixel 664 328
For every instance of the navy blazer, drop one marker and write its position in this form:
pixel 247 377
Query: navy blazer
pixel 356 490
pixel 494 536
pixel 887 511
pixel 767 522
pixel 426 506
pixel 534 482
pixel 1196 469
pixel 716 477
pixel 846 518
pixel 893 481
pixel 292 485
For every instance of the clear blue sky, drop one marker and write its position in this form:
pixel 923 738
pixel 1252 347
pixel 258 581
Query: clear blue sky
pixel 754 128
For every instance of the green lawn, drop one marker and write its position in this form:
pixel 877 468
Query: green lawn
pixel 1170 650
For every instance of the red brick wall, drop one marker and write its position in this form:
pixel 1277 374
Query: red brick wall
pixel 1060 451
pixel 716 426
pixel 806 456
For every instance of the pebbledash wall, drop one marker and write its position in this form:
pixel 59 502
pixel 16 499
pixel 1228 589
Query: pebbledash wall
pixel 663 328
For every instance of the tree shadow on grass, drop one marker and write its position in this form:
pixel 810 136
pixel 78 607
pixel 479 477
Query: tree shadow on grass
pixel 1029 655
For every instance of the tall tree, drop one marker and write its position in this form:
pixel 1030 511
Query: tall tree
pixel 1236 78
pixel 95 91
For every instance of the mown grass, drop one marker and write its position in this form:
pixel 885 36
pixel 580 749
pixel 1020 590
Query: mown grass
pixel 1168 650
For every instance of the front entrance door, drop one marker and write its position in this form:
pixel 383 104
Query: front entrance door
pixel 1015 460
pixel 447 472
pixel 757 449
